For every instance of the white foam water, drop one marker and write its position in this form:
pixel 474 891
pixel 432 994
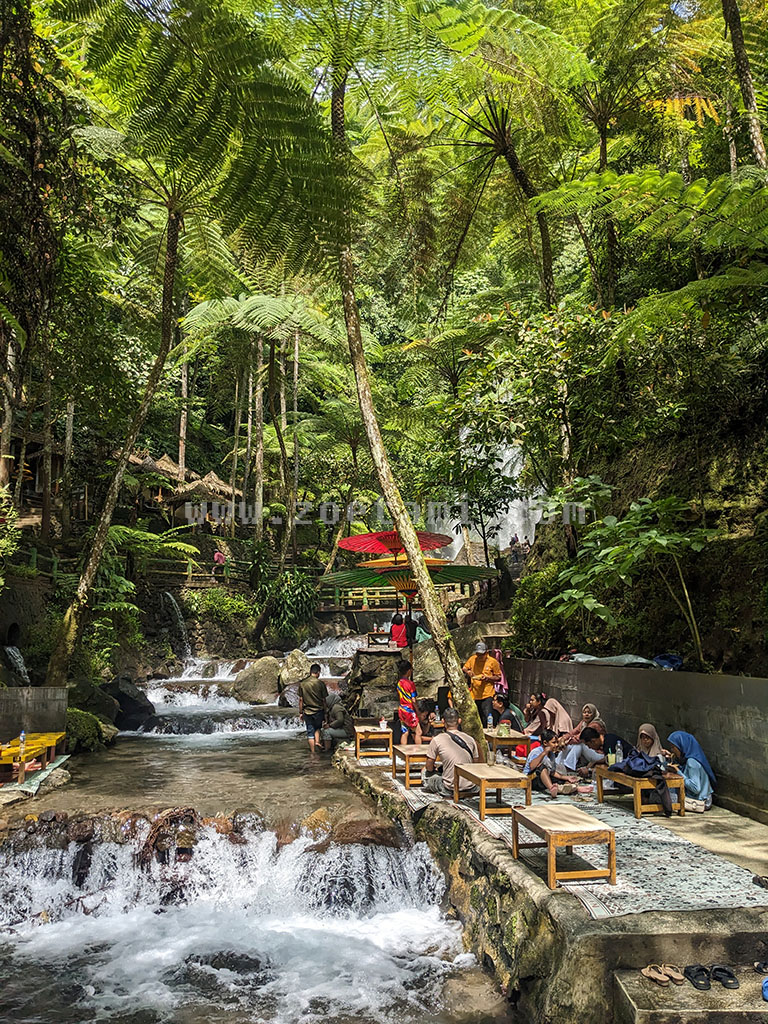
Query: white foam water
pixel 195 669
pixel 259 933
pixel 193 701
pixel 336 647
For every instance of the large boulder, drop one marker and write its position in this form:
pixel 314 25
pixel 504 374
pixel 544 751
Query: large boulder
pixel 331 625
pixel 257 683
pixel 295 668
pixel 85 695
pixel 135 707
pixel 427 670
pixel 374 678
pixel 289 696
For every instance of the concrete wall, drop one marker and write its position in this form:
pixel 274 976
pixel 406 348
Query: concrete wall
pixel 22 605
pixel 33 709
pixel 728 715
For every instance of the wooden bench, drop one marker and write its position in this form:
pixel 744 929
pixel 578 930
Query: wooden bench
pixel 638 786
pixel 34 749
pixel 410 753
pixel 491 776
pixel 563 825
pixel 512 740
pixel 373 734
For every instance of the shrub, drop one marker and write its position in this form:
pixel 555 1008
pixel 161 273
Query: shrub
pixel 218 604
pixel 537 629
pixel 83 731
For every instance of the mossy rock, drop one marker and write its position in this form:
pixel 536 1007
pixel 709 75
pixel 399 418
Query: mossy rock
pixel 83 731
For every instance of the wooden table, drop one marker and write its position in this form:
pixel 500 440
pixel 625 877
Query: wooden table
pixel 564 825
pixel 675 782
pixel 373 733
pixel 512 740
pixel 411 753
pixel 491 776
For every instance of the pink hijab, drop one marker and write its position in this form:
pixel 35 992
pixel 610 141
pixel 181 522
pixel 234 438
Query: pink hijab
pixel 551 715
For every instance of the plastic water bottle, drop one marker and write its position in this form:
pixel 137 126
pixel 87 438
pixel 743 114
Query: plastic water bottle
pixel 619 752
pixel 490 721
pixel 22 744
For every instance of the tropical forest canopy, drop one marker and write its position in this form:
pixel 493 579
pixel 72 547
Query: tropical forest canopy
pixel 252 235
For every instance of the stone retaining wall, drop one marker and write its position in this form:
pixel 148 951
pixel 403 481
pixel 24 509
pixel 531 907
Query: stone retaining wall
pixel 33 709
pixel 554 963
pixel 727 714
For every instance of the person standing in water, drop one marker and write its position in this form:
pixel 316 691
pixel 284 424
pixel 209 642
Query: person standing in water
pixel 312 695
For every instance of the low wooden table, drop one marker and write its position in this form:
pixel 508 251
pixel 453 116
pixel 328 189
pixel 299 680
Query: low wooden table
pixel 675 782
pixel 491 776
pixel 373 733
pixel 563 825
pixel 514 739
pixel 410 753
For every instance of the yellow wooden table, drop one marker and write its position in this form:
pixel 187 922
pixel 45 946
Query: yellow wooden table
pixel 514 739
pixel 373 734
pixel 563 825
pixel 491 776
pixel 409 753
pixel 676 783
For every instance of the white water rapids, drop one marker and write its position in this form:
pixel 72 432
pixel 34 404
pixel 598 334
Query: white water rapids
pixel 252 932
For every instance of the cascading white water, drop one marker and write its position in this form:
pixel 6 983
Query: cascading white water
pixel 258 933
pixel 218 671
pixel 268 726
pixel 336 647
pixel 181 625
pixel 16 658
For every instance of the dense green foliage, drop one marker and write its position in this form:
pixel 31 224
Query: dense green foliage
pixel 83 731
pixel 558 215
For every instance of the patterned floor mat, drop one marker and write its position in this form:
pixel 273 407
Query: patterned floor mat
pixel 656 869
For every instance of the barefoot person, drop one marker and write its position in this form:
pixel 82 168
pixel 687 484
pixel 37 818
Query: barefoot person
pixel 312 694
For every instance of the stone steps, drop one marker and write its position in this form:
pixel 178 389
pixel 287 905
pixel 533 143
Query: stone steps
pixel 639 1001
pixel 492 615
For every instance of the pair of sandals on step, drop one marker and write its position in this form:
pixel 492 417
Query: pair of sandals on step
pixel 699 976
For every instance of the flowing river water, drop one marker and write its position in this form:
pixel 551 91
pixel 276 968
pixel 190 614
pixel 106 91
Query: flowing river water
pixel 259 931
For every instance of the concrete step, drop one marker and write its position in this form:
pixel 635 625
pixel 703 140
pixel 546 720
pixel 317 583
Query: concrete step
pixel 640 1001
pixel 492 615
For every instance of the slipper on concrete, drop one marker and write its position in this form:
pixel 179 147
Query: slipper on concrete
pixel 567 788
pixel 761 880
pixel 698 975
pixel 761 966
pixel 723 974
pixel 654 973
pixel 673 973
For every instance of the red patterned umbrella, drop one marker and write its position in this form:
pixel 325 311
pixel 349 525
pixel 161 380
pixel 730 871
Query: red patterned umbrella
pixel 388 542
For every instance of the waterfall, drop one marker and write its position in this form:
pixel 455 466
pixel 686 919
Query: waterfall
pixel 334 647
pixel 186 647
pixel 260 932
pixel 16 659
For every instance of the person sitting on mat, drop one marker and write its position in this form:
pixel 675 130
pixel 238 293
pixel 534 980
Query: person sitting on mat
pixel 541 763
pixel 590 716
pixel 583 755
pixel 648 741
pixel 425 712
pixel 506 713
pixel 699 778
pixel 543 712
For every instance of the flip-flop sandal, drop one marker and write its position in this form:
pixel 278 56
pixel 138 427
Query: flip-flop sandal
pixel 673 973
pixel 654 973
pixel 761 966
pixel 723 974
pixel 698 975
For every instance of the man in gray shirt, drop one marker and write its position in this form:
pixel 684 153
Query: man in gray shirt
pixel 452 747
pixel 312 694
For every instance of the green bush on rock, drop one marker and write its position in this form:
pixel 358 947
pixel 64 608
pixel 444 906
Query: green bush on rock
pixel 218 604
pixel 83 731
pixel 536 627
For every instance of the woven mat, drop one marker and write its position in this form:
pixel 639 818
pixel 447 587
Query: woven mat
pixel 656 869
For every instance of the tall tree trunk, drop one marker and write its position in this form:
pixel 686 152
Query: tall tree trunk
pixel 593 272
pixel 338 535
pixel 730 135
pixel 258 461
pixel 288 498
pixel 183 419
pixel 248 425
pixel 8 385
pixel 74 619
pixel 732 17
pixel 529 190
pixel 295 410
pixel 47 460
pixel 239 389
pixel 611 238
pixel 66 472
pixel 444 645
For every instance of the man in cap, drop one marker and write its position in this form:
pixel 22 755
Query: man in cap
pixel 483 672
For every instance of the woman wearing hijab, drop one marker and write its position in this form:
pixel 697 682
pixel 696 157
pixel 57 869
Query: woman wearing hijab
pixel 543 712
pixel 648 741
pixel 699 778
pixel 339 722
pixel 590 716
